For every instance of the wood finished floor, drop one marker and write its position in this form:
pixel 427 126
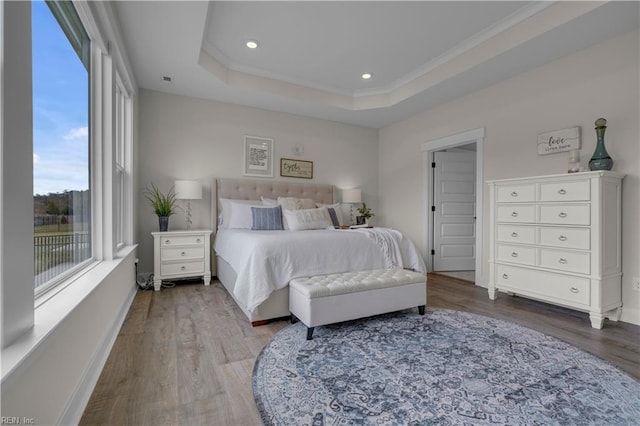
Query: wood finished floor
pixel 185 355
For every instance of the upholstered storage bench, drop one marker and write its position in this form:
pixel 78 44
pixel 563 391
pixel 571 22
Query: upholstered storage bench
pixel 327 299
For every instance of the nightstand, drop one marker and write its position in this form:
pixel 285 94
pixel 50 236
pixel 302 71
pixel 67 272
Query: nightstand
pixel 181 254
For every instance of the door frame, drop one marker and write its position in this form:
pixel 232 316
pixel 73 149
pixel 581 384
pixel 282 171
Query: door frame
pixel 428 148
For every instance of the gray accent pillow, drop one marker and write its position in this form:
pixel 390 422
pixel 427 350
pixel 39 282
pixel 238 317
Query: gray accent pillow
pixel 267 218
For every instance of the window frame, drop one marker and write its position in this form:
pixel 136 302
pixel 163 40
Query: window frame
pixel 78 37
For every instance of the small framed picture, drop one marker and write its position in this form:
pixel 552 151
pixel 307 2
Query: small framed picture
pixel 296 168
pixel 258 156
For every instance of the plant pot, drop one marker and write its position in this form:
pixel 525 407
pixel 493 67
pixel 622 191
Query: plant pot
pixel 361 220
pixel 163 221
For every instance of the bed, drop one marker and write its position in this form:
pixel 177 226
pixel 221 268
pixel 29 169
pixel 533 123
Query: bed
pixel 256 266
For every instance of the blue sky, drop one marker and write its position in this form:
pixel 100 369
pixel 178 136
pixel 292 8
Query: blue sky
pixel 60 109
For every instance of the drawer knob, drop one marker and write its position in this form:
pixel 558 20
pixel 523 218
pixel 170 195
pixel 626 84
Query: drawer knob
pixel 562 238
pixel 514 194
pixel 505 276
pixel 167 241
pixel 198 240
pixel 514 214
pixel 562 260
pixel 514 234
pixel 183 254
pixel 562 191
pixel 514 254
pixel 183 268
pixel 574 290
pixel 562 214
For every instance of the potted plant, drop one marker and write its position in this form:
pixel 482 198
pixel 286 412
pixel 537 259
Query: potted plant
pixel 163 205
pixel 364 214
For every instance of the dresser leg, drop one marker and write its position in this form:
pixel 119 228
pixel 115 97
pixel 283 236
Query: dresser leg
pixel 157 284
pixel 207 279
pixel 492 293
pixel 596 320
pixel 615 314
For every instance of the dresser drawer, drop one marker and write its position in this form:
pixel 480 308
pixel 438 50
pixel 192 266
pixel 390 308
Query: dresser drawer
pixel 182 268
pixel 182 253
pixel 516 213
pixel 576 238
pixel 565 214
pixel 544 285
pixel 516 234
pixel 516 193
pixel 579 190
pixel 182 240
pixel 569 261
pixel 516 254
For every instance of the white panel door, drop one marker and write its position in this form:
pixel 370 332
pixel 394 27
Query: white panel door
pixel 454 199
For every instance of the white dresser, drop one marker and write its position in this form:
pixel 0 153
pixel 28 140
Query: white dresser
pixel 557 239
pixel 181 254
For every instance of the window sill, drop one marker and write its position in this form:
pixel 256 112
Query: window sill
pixel 50 314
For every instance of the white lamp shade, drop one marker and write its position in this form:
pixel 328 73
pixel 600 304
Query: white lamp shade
pixel 353 195
pixel 188 190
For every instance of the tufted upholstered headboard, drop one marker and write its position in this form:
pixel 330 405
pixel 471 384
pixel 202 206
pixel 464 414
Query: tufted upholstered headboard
pixel 252 189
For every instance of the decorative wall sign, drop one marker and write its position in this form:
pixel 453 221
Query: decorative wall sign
pixel 258 156
pixel 559 141
pixel 296 168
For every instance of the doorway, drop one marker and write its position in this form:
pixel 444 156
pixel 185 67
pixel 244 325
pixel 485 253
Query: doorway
pixel 453 182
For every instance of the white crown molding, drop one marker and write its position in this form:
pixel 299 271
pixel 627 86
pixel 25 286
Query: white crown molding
pixel 521 26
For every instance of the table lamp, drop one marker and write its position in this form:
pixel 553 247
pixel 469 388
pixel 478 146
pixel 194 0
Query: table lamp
pixel 188 190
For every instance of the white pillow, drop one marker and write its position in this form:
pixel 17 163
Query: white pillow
pixel 337 207
pixel 226 214
pixel 294 203
pixel 298 220
pixel 269 201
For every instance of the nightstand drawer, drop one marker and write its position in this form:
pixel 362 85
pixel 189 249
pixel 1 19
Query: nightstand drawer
pixel 516 193
pixel 544 285
pixel 576 238
pixel 182 268
pixel 182 253
pixel 516 254
pixel 516 213
pixel 565 214
pixel 569 261
pixel 565 191
pixel 182 240
pixel 516 234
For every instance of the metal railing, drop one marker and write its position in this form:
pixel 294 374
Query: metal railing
pixel 55 254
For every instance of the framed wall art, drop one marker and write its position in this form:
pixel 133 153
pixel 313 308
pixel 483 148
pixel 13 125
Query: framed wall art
pixel 296 168
pixel 258 156
pixel 559 141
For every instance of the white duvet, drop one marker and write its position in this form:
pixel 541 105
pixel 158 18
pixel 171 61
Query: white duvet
pixel 266 261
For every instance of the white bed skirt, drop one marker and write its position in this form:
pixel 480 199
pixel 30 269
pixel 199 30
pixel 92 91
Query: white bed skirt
pixel 276 306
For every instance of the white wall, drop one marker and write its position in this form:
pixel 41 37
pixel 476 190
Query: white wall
pixel 601 81
pixel 189 138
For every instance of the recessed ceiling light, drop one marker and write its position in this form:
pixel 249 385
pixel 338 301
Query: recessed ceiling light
pixel 253 44
pixel 366 76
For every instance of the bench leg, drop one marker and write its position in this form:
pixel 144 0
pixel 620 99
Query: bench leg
pixel 293 319
pixel 310 333
pixel 421 309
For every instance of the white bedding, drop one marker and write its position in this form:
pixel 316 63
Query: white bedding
pixel 266 261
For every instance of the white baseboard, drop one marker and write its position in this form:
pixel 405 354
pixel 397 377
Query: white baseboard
pixel 631 316
pixel 79 399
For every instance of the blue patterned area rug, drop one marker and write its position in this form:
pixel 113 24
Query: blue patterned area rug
pixel 446 368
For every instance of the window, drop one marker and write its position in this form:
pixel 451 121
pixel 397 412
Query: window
pixel 122 143
pixel 61 154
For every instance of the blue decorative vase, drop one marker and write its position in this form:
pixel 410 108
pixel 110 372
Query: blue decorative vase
pixel 164 223
pixel 600 159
